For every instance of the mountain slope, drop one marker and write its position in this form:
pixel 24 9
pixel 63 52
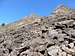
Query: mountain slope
pixel 40 36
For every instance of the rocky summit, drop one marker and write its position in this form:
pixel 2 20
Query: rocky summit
pixel 52 35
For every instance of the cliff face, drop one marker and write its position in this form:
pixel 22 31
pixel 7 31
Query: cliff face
pixel 40 36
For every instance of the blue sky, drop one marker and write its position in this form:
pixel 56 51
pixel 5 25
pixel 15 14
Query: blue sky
pixel 12 10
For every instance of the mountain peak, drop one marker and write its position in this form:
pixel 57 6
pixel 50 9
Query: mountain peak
pixel 63 10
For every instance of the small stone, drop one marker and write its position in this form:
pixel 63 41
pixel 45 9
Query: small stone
pixel 69 55
pixel 53 50
pixel 63 53
pixel 71 45
pixel 60 52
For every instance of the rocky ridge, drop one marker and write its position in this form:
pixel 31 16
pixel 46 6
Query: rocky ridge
pixel 45 36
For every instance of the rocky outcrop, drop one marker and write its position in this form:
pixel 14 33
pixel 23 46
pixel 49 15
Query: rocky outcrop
pixel 45 36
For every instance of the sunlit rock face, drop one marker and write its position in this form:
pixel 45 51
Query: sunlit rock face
pixel 63 10
pixel 40 35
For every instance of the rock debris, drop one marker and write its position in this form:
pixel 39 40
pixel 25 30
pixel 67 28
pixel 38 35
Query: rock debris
pixel 45 36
